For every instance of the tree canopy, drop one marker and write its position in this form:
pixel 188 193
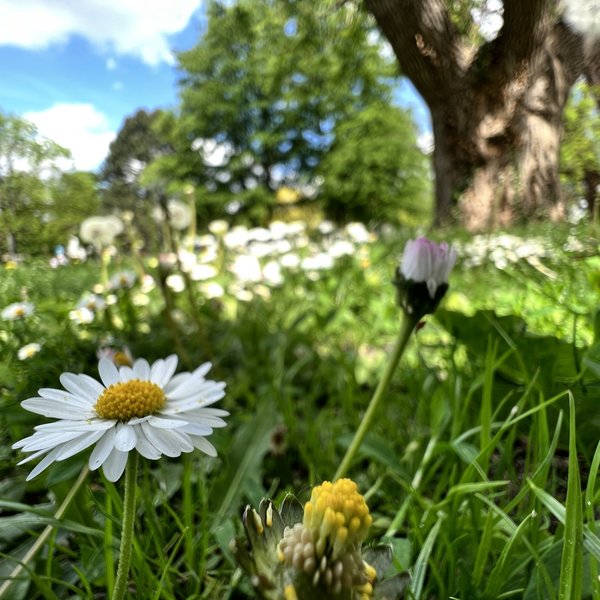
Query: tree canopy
pixel 266 89
pixel 28 164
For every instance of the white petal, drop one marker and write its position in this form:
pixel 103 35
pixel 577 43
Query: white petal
pixel 161 423
pixel 79 386
pixel 63 396
pixel 102 450
pixel 79 444
pixel 145 448
pixel 38 440
pixel 108 372
pixel 162 440
pixel 114 465
pixel 56 410
pixel 203 445
pixel 66 425
pixel 176 381
pixel 43 464
pixel 163 370
pixel 197 429
pixel 202 370
pixel 191 387
pixel 141 369
pixel 126 373
pixel 125 437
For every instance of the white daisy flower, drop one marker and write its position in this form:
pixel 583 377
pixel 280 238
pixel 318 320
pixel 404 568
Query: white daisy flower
pixel 28 351
pixel 144 408
pixel 17 310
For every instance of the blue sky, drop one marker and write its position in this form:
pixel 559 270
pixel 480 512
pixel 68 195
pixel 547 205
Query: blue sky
pixel 78 69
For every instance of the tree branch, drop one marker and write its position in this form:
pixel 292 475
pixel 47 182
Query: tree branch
pixel 425 42
pixel 498 62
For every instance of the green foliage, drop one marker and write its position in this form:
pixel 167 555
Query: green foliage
pixel 469 471
pixel 580 147
pixel 264 92
pixel 141 139
pixel 374 171
pixel 24 200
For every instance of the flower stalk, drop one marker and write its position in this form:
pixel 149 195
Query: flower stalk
pixel 408 325
pixel 126 527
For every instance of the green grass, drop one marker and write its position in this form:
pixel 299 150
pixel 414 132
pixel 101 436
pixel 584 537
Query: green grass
pixel 474 470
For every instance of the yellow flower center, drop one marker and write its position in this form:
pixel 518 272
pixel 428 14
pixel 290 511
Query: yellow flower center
pixel 19 311
pixel 130 400
pixel 337 515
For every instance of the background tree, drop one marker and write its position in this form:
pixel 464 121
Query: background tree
pixel 265 89
pixel 374 171
pixel 25 157
pixel 74 197
pixel 496 104
pixel 138 143
pixel 580 150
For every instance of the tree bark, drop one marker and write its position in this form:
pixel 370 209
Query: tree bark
pixel 496 107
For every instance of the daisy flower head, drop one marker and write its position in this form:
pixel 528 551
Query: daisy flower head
pixel 28 351
pixel 143 408
pixel 422 276
pixel 17 310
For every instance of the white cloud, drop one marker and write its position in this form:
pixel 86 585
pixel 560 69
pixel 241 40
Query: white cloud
pixel 134 27
pixel 81 128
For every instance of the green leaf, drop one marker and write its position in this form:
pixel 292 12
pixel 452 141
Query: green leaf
pixel 571 567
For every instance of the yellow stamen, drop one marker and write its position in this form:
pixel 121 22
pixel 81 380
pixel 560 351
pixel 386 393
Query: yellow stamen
pixel 129 400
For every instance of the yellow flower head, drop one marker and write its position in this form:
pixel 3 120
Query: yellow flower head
pixel 338 516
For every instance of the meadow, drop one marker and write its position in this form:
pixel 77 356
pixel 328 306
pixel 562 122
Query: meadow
pixel 479 469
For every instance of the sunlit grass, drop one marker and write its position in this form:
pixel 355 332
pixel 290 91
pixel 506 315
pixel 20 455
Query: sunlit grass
pixel 469 469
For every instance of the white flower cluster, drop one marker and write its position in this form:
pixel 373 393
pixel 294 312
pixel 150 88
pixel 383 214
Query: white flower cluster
pixel 255 260
pixel 501 249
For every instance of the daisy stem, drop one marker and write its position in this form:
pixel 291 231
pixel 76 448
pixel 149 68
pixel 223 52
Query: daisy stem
pixel 126 527
pixel 43 538
pixel 408 324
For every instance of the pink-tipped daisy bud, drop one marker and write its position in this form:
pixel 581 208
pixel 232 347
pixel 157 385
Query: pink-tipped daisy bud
pixel 422 277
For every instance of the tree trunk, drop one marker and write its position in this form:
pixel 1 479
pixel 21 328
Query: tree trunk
pixel 496 108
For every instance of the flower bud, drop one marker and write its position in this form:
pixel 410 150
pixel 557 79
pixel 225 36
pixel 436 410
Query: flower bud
pixel 422 277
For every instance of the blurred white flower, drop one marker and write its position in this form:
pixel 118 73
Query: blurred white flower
pixel 17 310
pixel 326 227
pixel 28 351
pixel 246 268
pixel 178 212
pixel 145 408
pixel 358 233
pixel 259 234
pixel 120 358
pixel 92 301
pixel 81 316
pixel 237 237
pixel 341 248
pixel 100 231
pixel 122 280
pixel 290 261
pixel 272 273
pixel 176 283
pixel 428 262
pixel 218 227
pixel 203 272
pixel 318 262
pixel 75 251
pixel 211 289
